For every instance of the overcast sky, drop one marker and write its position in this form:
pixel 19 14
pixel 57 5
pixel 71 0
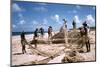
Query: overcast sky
pixel 30 15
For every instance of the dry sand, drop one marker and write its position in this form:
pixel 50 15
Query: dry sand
pixel 33 55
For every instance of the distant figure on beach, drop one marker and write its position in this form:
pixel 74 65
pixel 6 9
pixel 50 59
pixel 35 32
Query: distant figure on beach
pixel 65 25
pixel 23 42
pixel 36 37
pixel 74 24
pixel 84 36
pixel 49 34
pixel 65 32
pixel 41 32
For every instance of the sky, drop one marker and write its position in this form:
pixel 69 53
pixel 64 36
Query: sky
pixel 28 16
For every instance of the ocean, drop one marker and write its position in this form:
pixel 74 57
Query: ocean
pixel 18 33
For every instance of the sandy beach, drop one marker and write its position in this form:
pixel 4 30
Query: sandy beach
pixel 43 52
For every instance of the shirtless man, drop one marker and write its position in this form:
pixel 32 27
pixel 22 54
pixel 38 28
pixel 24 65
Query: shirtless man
pixel 49 34
pixel 84 36
pixel 23 42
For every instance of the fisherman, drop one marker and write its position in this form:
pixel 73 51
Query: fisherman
pixel 36 37
pixel 23 42
pixel 65 25
pixel 49 34
pixel 84 35
pixel 74 24
pixel 41 32
pixel 65 33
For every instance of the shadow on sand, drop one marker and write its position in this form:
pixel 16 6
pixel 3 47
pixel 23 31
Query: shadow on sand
pixel 17 53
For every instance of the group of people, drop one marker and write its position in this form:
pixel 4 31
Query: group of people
pixel 35 37
pixel 83 33
pixel 41 31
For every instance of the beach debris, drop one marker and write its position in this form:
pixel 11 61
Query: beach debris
pixel 73 56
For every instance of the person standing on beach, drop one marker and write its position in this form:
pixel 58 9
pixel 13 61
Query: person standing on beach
pixel 65 32
pixel 42 32
pixel 85 26
pixel 85 37
pixel 49 34
pixel 23 42
pixel 74 24
pixel 36 37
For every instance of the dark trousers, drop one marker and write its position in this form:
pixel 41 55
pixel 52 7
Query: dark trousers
pixel 35 41
pixel 88 46
pixel 23 49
